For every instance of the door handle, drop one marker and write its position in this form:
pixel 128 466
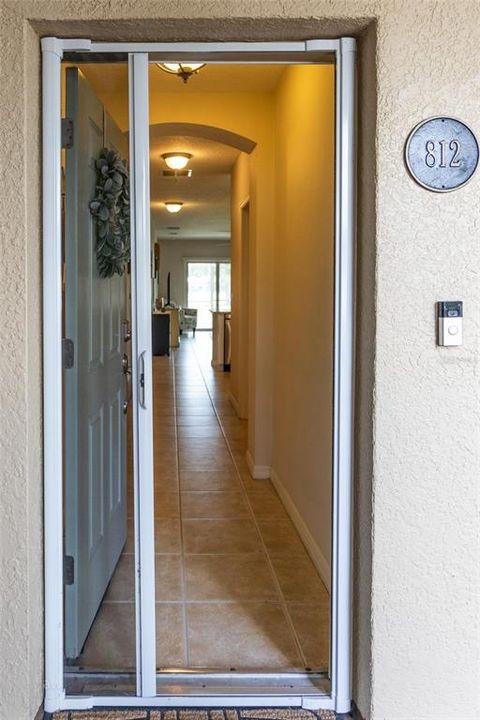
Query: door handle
pixel 127 373
pixel 141 380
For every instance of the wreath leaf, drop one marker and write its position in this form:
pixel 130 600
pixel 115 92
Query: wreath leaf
pixel 111 209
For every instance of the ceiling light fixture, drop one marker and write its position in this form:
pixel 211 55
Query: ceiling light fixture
pixel 183 70
pixel 173 206
pixel 177 160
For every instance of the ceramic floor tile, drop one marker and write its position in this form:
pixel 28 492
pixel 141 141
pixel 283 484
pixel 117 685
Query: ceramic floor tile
pixel 299 579
pixel 165 455
pixel 195 407
pixel 122 584
pixel 244 636
pixel 163 414
pixel 266 505
pixel 188 432
pixel 167 535
pixel 241 464
pixel 203 420
pixel 168 579
pixel 281 537
pixel 166 470
pixel 205 461
pixel 220 536
pixel 238 444
pixel 111 642
pixel 209 480
pixel 208 459
pixel 229 577
pixel 193 410
pixel 164 432
pixel 312 627
pixel 234 431
pixel 165 483
pixel 192 393
pixel 170 635
pixel 206 445
pixel 167 505
pixel 129 545
pixel 166 458
pixel 161 421
pixel 214 504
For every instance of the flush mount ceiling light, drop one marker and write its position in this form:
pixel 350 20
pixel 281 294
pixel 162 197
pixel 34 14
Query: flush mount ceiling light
pixel 176 160
pixel 183 70
pixel 173 206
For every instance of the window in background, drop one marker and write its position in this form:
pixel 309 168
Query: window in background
pixel 208 288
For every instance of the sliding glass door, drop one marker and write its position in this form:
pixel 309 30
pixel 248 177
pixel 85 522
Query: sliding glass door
pixel 208 288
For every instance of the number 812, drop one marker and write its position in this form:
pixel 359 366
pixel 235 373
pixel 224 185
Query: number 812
pixel 431 158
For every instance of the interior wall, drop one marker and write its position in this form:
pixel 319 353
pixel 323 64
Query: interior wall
pixel 174 252
pixel 303 302
pixel 239 366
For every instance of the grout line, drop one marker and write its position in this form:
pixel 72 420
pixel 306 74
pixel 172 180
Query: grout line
pixel 255 521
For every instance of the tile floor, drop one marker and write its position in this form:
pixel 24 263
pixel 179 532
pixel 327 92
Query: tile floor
pixel 235 587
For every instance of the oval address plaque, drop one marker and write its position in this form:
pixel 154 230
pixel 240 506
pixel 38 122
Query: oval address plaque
pixel 441 154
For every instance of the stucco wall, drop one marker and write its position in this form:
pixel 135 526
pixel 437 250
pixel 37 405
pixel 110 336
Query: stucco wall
pixel 416 642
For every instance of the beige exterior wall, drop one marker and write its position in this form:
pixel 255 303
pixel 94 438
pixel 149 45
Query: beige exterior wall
pixel 303 301
pixel 418 450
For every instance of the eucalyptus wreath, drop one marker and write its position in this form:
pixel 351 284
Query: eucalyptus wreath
pixel 111 209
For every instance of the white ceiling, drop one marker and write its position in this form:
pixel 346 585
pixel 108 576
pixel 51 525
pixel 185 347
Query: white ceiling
pixel 206 195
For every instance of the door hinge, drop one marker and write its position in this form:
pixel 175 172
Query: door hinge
pixel 67 133
pixel 68 570
pixel 68 353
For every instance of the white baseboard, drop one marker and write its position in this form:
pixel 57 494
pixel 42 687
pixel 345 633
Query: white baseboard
pixel 258 472
pixel 318 558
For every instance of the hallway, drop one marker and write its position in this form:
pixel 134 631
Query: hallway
pixel 235 588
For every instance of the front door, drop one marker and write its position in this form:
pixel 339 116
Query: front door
pixel 95 423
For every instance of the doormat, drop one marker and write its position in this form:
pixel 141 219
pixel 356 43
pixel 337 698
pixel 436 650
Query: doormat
pixel 196 714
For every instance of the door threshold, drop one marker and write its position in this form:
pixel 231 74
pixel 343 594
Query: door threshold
pixel 174 682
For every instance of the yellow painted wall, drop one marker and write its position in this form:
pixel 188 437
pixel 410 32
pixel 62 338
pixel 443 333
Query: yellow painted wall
pixel 303 296
pixel 239 371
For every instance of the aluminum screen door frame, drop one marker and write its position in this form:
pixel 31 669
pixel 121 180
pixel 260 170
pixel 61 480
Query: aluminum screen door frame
pixel 343 52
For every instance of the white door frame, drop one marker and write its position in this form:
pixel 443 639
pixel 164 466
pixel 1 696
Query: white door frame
pixel 140 54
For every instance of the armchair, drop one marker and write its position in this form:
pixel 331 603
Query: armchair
pixel 188 320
